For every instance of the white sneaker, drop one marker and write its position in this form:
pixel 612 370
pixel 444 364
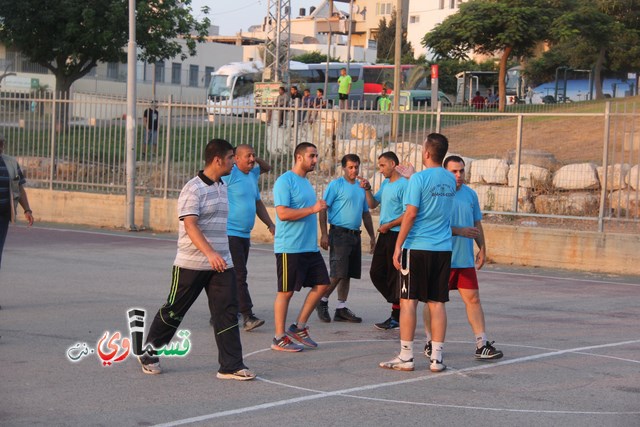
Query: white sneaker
pixel 437 366
pixel 239 375
pixel 398 364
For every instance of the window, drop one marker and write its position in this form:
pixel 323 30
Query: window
pixel 207 75
pixel 414 19
pixel 452 4
pixel 383 8
pixel 176 73
pixel 193 75
pixel 441 6
pixel 159 72
pixel 112 70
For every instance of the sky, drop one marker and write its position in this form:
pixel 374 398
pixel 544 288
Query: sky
pixel 232 16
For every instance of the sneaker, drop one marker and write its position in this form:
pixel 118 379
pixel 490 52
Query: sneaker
pixel 488 352
pixel 239 375
pixel 301 335
pixel 150 365
pixel 251 322
pixel 427 350
pixel 285 344
pixel 346 315
pixel 398 364
pixel 437 366
pixel 390 323
pixel 323 311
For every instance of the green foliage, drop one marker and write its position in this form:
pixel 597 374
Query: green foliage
pixel 69 37
pixel 314 57
pixel 386 43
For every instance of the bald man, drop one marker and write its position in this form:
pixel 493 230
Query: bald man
pixel 244 205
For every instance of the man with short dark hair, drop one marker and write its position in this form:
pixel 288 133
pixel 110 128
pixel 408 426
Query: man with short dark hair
pixel 346 210
pixel 384 275
pixel 423 253
pixel 203 261
pixel 466 227
pixel 299 263
pixel 151 119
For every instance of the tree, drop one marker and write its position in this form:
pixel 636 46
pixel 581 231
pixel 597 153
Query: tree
pixel 386 42
pixel 314 57
pixel 69 37
pixel 491 27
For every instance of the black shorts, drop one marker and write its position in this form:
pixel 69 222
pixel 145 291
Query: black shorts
pixel 345 253
pixel 425 275
pixel 343 96
pixel 301 270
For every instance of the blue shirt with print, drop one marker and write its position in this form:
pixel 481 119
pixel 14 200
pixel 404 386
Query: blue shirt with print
pixel 431 191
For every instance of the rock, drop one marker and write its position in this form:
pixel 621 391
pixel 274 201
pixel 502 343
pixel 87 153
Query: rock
pixel 615 175
pixel 579 176
pixel 540 158
pixel 354 146
pixel 625 203
pixel 632 177
pixel 500 199
pixel 35 167
pixel 530 176
pixel 489 171
pixel 363 131
pixel 402 149
pixel 66 170
pixel 580 204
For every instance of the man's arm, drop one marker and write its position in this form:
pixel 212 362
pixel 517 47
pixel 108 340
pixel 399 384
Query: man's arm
pixel 389 225
pixel 371 201
pixel 195 234
pixel 481 257
pixel 24 202
pixel 408 219
pixel 290 214
pixel 324 236
pixel 263 214
pixel 368 225
pixel 264 166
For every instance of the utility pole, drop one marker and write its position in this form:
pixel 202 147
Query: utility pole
pixel 396 71
pixel 276 55
pixel 131 121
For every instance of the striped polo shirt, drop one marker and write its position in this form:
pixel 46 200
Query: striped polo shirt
pixel 208 201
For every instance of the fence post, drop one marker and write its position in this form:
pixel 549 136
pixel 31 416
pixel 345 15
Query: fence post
pixel 53 140
pixel 438 116
pixel 518 155
pixel 605 165
pixel 296 111
pixel 167 149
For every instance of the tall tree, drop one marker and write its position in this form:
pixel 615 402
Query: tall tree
pixel 386 42
pixel 490 27
pixel 69 37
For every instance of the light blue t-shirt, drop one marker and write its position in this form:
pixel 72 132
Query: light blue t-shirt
pixel 431 191
pixel 465 213
pixel 293 191
pixel 390 196
pixel 243 192
pixel 346 203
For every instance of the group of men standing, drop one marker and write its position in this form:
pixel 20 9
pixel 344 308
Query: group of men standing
pixel 412 257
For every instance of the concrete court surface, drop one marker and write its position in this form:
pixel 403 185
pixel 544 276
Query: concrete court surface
pixel 571 343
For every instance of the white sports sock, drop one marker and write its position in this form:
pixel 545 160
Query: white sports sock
pixel 324 299
pixel 341 304
pixel 481 339
pixel 301 325
pixel 406 350
pixel 428 334
pixel 436 350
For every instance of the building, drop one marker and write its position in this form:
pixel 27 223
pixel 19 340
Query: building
pixel 424 15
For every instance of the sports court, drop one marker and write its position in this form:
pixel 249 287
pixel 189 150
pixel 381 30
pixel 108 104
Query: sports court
pixel 571 343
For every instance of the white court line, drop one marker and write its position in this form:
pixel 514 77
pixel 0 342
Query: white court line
pixel 574 279
pixel 346 392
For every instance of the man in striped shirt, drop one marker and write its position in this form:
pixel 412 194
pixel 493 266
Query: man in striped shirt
pixel 203 261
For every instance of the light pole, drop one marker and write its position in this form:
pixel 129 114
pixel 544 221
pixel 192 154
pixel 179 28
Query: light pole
pixel 396 71
pixel 131 120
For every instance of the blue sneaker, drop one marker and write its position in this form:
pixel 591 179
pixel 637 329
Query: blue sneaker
pixel 285 344
pixel 301 335
pixel 388 324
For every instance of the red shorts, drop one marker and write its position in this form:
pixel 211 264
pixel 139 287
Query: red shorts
pixel 463 278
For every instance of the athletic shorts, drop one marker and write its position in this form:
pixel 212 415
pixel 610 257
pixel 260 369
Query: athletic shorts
pixel 301 270
pixel 345 253
pixel 424 275
pixel 343 96
pixel 463 278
